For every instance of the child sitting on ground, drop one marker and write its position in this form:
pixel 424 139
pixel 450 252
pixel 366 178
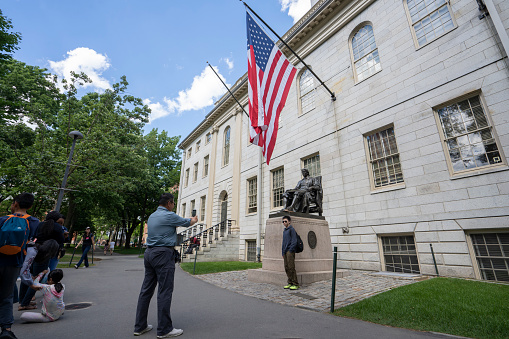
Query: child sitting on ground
pixel 53 298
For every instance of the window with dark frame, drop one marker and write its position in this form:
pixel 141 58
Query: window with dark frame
pixel 400 254
pixel 492 254
pixel 251 250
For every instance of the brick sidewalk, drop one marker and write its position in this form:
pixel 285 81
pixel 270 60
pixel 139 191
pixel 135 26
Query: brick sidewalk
pixel 316 296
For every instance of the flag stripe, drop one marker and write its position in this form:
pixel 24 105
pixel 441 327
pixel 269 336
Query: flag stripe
pixel 270 76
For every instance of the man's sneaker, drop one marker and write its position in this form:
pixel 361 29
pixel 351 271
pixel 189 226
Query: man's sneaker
pixel 294 287
pixel 76 266
pixel 7 335
pixel 149 328
pixel 174 333
pixel 287 287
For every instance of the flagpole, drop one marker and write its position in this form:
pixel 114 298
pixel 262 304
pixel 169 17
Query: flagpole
pixel 333 96
pixel 212 68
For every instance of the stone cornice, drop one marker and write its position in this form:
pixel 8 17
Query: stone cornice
pixel 321 22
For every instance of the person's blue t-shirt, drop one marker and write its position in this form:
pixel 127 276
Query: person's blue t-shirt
pixel 17 259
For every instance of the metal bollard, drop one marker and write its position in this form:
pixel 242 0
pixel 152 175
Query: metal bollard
pixel 333 292
pixel 434 260
pixel 195 256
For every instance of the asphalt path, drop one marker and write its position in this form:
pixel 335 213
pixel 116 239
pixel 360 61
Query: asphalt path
pixel 202 310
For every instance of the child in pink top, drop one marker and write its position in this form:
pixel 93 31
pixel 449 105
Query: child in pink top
pixel 53 298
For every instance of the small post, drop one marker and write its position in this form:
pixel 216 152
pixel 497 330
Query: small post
pixel 333 292
pixel 434 260
pixel 195 256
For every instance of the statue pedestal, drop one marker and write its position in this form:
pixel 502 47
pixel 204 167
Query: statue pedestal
pixel 313 264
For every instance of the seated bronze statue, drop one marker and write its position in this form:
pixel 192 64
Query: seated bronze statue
pixel 306 197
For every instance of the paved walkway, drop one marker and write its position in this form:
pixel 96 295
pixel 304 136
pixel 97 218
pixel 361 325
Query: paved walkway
pixel 317 296
pixel 201 309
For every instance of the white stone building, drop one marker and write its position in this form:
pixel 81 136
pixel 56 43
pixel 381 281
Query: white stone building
pixel 412 152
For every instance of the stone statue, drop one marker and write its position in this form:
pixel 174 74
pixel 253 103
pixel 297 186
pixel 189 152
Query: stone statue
pixel 306 197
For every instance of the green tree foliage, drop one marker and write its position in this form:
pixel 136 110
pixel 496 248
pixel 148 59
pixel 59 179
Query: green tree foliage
pixel 8 40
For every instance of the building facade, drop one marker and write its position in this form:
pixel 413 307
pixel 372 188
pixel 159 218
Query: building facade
pixel 412 153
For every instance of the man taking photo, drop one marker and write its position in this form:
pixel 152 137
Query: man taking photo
pixel 159 264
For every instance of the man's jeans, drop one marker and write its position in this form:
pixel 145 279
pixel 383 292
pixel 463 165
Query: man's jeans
pixel 290 268
pixel 8 276
pixel 86 248
pixel 159 269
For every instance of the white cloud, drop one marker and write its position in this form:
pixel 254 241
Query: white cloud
pixel 86 60
pixel 229 63
pixel 296 8
pixel 205 89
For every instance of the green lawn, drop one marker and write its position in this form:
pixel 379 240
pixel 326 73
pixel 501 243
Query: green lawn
pixel 455 306
pixel 64 261
pixel 219 266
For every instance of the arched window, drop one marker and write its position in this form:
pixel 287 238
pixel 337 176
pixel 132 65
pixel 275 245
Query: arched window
pixel 430 19
pixel 365 53
pixel 306 91
pixel 226 146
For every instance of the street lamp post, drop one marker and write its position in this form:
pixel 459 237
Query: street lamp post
pixel 76 135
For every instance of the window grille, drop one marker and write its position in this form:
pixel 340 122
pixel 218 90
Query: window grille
pixel 400 254
pixel 202 208
pixel 468 136
pixel 187 178
pixel 278 187
pixel 195 172
pixel 365 53
pixel 226 148
pixel 251 250
pixel 430 19
pixel 307 94
pixel 384 158
pixel 312 164
pixel 206 166
pixel 252 192
pixel 492 255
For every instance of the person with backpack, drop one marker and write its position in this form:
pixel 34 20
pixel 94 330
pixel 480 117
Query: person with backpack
pixel 15 231
pixel 289 247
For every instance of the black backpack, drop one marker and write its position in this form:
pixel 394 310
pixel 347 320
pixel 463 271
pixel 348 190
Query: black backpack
pixel 300 244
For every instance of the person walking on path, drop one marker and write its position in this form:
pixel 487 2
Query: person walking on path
pixel 10 264
pixel 112 246
pixel 106 246
pixel 289 246
pixel 88 241
pixel 159 262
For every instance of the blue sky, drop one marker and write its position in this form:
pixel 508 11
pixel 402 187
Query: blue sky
pixel 162 46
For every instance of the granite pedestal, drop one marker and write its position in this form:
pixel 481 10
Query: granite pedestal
pixel 313 264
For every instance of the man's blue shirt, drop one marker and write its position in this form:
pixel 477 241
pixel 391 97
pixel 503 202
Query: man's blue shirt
pixel 162 227
pixel 17 259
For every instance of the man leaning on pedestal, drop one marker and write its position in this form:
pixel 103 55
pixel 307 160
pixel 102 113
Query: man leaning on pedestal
pixel 289 246
pixel 159 264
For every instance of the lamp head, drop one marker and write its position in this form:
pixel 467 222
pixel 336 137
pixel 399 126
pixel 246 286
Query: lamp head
pixel 76 135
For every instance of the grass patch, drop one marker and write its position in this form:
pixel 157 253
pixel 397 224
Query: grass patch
pixel 132 250
pixel 64 261
pixel 219 266
pixel 454 306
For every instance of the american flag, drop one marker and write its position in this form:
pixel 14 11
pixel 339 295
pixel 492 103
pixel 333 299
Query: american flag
pixel 270 76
